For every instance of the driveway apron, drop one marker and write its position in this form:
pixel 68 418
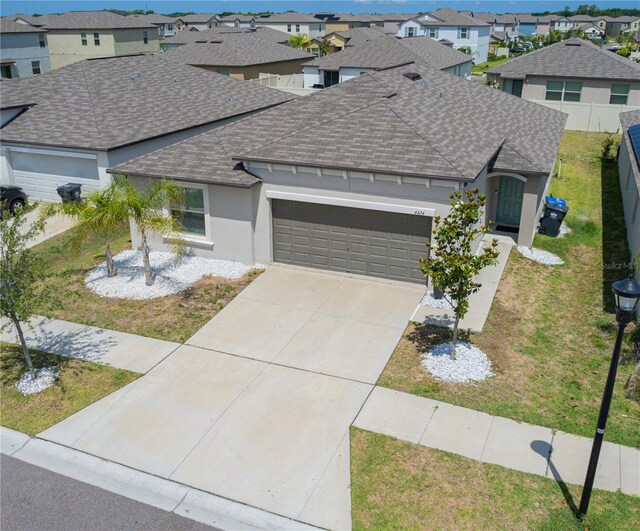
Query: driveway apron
pixel 257 405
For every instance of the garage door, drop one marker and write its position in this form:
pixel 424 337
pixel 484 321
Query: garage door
pixel 353 240
pixel 41 174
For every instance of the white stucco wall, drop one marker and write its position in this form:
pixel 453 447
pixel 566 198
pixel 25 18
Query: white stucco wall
pixel 478 40
pixel 312 30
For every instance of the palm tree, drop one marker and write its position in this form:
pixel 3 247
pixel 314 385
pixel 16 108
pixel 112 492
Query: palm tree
pixel 325 47
pixel 300 41
pixel 102 212
pixel 145 208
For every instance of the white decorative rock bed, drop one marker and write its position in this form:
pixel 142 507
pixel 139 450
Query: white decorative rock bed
pixel 470 365
pixel 564 230
pixel 173 274
pixel 45 378
pixel 432 302
pixel 540 256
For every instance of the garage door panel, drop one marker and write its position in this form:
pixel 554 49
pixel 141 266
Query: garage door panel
pixel 367 242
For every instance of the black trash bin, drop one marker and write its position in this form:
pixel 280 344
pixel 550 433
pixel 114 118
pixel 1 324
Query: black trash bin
pixel 69 192
pixel 554 212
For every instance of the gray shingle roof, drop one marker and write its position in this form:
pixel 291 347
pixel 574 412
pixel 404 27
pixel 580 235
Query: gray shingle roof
pixel 526 18
pixel 156 19
pixel 355 36
pixel 34 21
pixel 442 127
pixel 451 17
pixel 292 16
pixel 92 20
pixel 571 58
pixel 219 32
pixel 235 49
pixel 627 119
pixel 389 51
pixel 106 103
pixel 241 18
pixel 198 18
pixel 9 26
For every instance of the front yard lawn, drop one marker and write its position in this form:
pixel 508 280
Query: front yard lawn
pixel 550 331
pixel 172 318
pixel 80 383
pixel 400 485
pixel 481 68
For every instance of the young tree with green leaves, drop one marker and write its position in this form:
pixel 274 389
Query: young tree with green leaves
pixel 301 40
pixel 324 47
pixel 20 272
pixel 102 212
pixel 146 208
pixel 452 265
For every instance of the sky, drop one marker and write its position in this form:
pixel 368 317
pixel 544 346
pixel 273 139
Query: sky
pixel 8 7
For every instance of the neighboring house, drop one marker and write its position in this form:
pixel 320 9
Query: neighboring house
pixel 79 35
pixel 166 25
pixel 382 53
pixel 563 24
pixel 545 23
pixel 335 22
pixel 293 23
pixel 590 84
pixel 200 21
pixel 462 30
pixel 629 174
pixel 527 24
pixel 340 40
pixel 350 178
pixel 213 34
pixel 242 55
pixel 626 24
pixel 71 124
pixel 499 40
pixel 392 21
pixel 591 30
pixel 239 21
pixel 507 23
pixel 23 50
pixel 599 22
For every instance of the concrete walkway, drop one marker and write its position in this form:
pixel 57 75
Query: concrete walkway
pixel 257 406
pixel 498 440
pixel 124 351
pixel 480 302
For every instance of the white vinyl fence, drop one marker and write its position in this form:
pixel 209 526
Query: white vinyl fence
pixel 599 117
pixel 293 83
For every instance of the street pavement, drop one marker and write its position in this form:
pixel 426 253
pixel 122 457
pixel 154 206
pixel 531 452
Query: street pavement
pixel 32 498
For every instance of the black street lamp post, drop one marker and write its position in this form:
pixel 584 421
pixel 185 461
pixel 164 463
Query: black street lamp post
pixel 627 294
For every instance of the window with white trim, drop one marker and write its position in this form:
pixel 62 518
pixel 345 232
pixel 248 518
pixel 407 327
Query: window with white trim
pixel 191 213
pixel 83 39
pixel 563 91
pixel 96 39
pixel 145 37
pixel 433 32
pixel 42 40
pixel 35 68
pixel 410 31
pixel 297 28
pixel 464 33
pixel 289 28
pixel 619 94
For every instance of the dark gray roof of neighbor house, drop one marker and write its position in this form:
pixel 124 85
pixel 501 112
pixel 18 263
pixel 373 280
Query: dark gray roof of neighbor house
pixel 292 16
pixel 500 36
pixel 241 18
pixel 92 20
pixel 451 17
pixel 9 26
pixel 397 17
pixel 625 19
pixel 546 19
pixel 485 17
pixel 389 51
pixel 156 19
pixel 588 25
pixel 235 49
pixel 526 18
pixel 576 58
pixel 355 36
pixel 198 18
pixel 30 19
pixel 438 126
pixel 506 19
pixel 219 32
pixel 107 103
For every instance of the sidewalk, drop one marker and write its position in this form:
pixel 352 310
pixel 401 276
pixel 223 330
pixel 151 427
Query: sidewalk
pixel 498 440
pixel 123 351
pixel 480 302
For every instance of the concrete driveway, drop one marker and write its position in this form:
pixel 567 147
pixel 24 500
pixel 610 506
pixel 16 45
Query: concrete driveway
pixel 54 225
pixel 257 405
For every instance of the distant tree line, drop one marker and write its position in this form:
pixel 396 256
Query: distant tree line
pixel 593 11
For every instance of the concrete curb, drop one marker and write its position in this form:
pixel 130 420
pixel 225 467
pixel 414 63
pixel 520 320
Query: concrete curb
pixel 146 488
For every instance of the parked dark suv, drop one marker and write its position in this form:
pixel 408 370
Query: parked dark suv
pixel 11 198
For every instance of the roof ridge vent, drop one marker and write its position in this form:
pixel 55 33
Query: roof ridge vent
pixel 413 76
pixel 574 43
pixel 391 94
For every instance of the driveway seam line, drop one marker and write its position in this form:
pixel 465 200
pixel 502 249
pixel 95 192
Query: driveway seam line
pixel 435 408
pixel 484 446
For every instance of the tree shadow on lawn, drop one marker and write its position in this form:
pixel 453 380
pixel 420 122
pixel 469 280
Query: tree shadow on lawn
pixel 615 252
pixel 14 365
pixel 426 335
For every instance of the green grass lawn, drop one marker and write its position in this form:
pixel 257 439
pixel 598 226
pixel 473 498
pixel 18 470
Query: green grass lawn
pixel 400 485
pixel 482 67
pixel 551 329
pixel 172 318
pixel 80 383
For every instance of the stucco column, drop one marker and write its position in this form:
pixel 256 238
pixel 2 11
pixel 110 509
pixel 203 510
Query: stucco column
pixel 529 214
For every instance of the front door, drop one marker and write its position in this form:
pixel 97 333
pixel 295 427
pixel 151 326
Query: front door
pixel 331 77
pixel 510 200
pixel 516 88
